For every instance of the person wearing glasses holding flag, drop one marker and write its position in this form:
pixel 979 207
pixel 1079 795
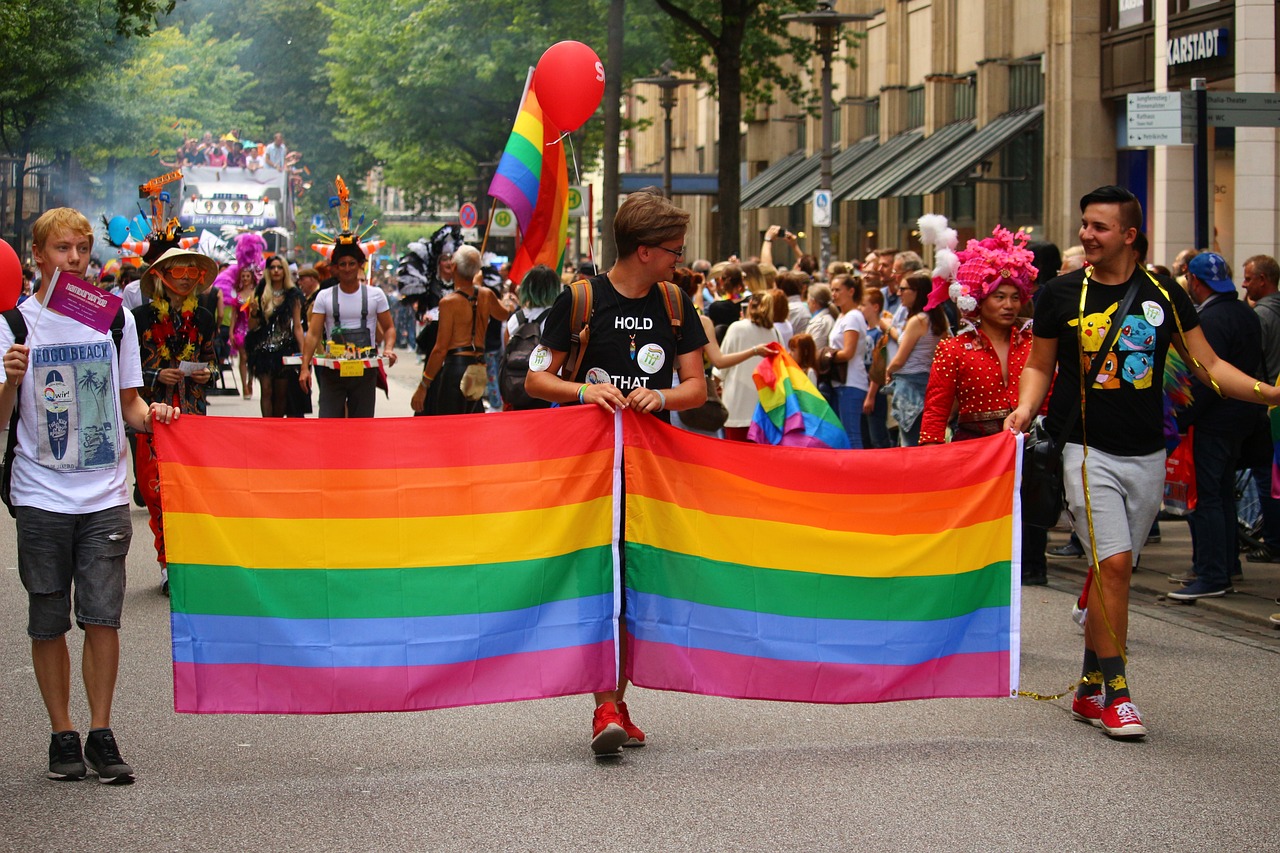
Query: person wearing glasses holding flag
pixel 643 351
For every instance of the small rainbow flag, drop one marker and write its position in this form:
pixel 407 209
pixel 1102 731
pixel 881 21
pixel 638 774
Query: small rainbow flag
pixel 820 576
pixel 791 410
pixel 390 565
pixel 533 180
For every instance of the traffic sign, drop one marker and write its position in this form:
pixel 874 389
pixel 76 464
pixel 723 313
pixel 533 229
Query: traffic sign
pixel 822 208
pixel 1156 118
pixel 577 201
pixel 504 223
pixel 467 215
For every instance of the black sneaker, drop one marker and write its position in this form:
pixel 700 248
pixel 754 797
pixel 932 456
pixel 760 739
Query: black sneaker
pixel 66 762
pixel 102 754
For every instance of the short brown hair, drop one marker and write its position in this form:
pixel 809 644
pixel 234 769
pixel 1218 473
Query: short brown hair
pixel 1265 266
pixel 793 282
pixel 60 219
pixel 647 220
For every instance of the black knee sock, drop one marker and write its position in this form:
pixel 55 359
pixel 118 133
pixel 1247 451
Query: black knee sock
pixel 1091 673
pixel 1113 679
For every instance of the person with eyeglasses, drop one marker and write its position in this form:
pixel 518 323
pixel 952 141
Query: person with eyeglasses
pixel 633 358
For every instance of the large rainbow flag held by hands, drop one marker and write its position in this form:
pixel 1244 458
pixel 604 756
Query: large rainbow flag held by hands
pixel 389 565
pixel 820 576
pixel 533 180
pixel 791 410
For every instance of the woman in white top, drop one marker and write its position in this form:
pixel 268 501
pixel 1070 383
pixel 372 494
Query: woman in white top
pixel 849 339
pixel 749 333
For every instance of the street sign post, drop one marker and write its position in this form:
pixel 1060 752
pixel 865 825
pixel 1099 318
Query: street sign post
pixel 467 215
pixel 822 208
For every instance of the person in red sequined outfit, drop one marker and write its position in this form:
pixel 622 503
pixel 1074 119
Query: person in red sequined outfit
pixel 980 367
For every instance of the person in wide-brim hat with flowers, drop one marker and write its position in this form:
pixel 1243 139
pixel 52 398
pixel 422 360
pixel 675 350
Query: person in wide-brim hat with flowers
pixel 175 338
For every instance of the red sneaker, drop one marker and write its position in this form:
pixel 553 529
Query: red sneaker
pixel 635 737
pixel 1121 719
pixel 607 733
pixel 1088 709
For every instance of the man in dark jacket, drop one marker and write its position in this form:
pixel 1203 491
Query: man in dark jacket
pixel 1233 330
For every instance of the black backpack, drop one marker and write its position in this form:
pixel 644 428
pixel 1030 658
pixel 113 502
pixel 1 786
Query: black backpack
pixel 18 325
pixel 515 364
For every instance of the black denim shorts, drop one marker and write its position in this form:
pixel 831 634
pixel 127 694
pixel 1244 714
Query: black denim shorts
pixel 61 555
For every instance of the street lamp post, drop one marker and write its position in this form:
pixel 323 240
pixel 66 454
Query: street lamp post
pixel 827 23
pixel 668 83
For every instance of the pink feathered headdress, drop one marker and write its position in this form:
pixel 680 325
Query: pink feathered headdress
pixel 249 253
pixel 1002 258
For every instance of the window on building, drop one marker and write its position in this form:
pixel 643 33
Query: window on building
pixel 961 207
pixel 871 118
pixel 1026 84
pixel 966 98
pixel 1176 6
pixel 1023 157
pixel 915 107
pixel 1118 14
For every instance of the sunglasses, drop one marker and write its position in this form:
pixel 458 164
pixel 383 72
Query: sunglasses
pixel 186 272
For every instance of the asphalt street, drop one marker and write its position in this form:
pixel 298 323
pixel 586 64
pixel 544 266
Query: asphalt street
pixel 1008 774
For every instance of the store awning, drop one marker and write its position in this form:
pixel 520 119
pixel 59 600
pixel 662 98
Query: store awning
pixel 881 183
pixel 876 158
pixel 952 165
pixel 802 190
pixel 761 190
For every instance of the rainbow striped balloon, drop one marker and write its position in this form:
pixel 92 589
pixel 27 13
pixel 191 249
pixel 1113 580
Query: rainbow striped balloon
pixel 389 565
pixel 819 576
pixel 791 411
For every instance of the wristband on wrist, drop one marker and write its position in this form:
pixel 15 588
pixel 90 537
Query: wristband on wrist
pixel 663 398
pixel 426 380
pixel 582 391
pixel 1257 391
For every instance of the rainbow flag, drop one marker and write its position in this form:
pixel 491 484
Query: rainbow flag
pixel 533 180
pixel 820 576
pixel 390 565
pixel 791 410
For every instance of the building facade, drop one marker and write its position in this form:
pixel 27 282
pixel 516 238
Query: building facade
pixel 994 111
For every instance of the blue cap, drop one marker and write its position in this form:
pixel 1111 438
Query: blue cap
pixel 1211 268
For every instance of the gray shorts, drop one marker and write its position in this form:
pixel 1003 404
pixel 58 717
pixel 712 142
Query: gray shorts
pixel 60 553
pixel 1125 493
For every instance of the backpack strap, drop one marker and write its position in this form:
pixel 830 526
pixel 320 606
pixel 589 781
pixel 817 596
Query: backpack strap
pixel 580 308
pixel 675 308
pixel 18 324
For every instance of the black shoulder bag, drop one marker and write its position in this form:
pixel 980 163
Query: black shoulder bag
pixel 1042 491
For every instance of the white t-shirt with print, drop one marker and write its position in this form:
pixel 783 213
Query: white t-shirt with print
pixel 71 454
pixel 852 321
pixel 349 309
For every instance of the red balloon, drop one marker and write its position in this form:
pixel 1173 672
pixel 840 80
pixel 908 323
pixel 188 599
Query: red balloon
pixel 569 80
pixel 10 277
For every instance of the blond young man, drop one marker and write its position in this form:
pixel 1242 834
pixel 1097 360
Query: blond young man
pixel 75 392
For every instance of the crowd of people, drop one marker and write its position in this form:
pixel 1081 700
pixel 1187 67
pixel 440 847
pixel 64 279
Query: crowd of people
pixel 904 355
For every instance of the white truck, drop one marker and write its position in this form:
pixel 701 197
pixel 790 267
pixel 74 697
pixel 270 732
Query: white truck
pixel 226 199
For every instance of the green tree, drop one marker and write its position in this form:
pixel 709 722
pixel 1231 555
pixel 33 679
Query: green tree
pixel 172 85
pixel 749 44
pixel 431 87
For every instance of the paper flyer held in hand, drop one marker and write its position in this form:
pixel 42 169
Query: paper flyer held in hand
pixel 81 301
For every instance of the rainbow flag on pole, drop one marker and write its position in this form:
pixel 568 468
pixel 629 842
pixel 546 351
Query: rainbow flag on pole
pixel 533 180
pixel 820 576
pixel 791 410
pixel 390 565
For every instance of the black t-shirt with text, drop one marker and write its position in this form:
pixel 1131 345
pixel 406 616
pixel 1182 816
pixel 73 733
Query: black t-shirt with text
pixel 1125 410
pixel 632 344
